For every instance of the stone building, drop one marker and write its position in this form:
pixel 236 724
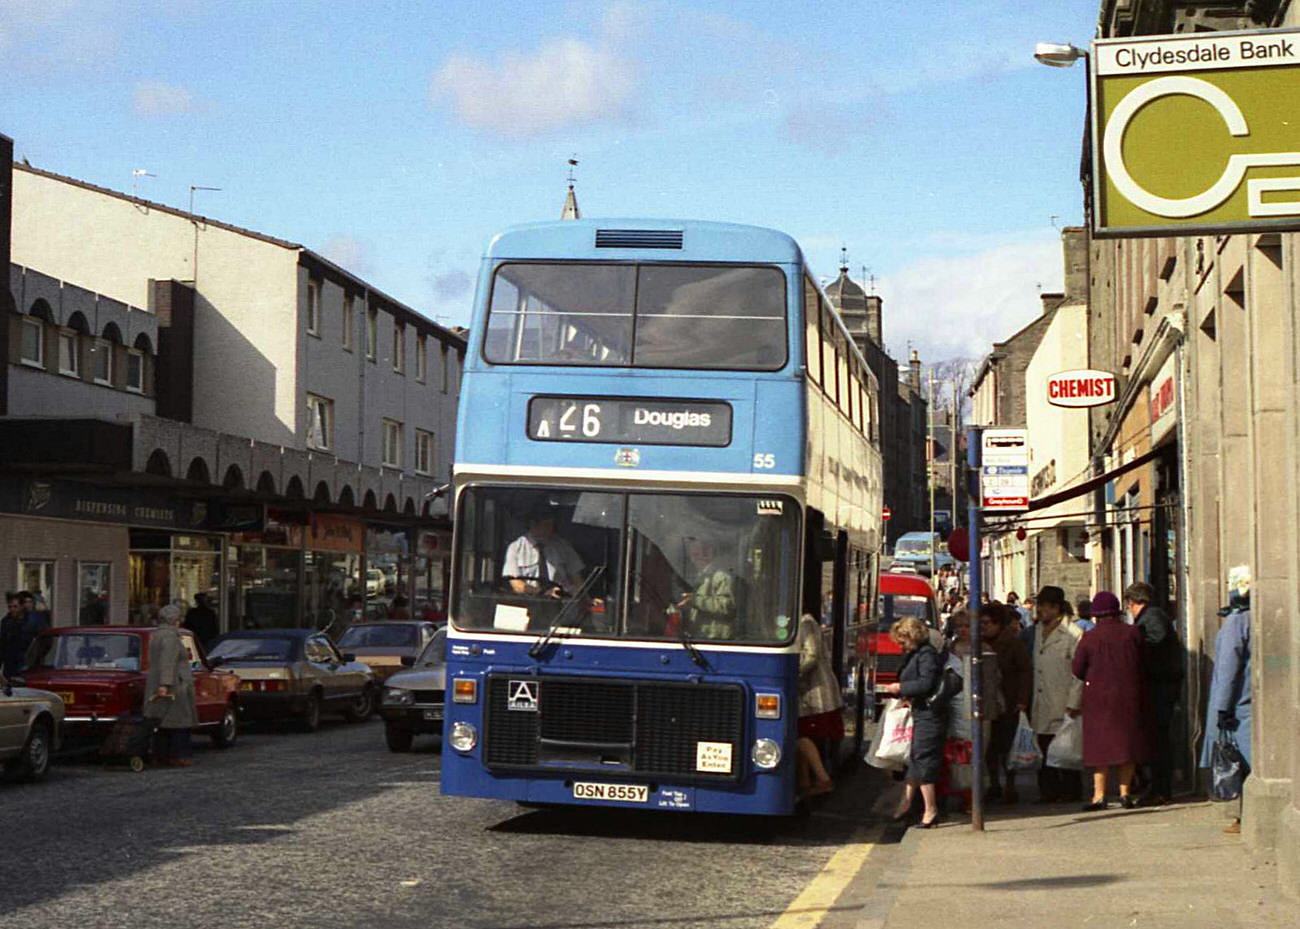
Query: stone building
pixel 1203 332
pixel 190 407
pixel 903 409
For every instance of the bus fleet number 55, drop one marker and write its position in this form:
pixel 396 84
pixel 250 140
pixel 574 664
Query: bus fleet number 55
pixel 764 461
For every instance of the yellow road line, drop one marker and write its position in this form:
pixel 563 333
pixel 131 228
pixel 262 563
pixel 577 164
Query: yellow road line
pixel 814 902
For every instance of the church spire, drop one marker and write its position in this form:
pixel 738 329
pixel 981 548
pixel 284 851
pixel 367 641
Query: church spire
pixel 571 210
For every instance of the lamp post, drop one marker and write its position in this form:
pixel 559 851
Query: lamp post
pixel 1058 54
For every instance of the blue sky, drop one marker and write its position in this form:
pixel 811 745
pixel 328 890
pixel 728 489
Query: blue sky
pixel 396 138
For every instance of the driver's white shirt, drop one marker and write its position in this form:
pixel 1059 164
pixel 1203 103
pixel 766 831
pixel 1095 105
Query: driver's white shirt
pixel 562 562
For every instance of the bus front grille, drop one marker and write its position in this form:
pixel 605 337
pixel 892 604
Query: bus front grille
pixel 648 728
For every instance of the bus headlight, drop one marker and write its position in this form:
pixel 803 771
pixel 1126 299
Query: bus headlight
pixel 766 754
pixel 463 736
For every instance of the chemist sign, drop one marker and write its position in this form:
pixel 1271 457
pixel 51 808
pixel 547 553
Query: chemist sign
pixel 1196 133
pixel 1082 388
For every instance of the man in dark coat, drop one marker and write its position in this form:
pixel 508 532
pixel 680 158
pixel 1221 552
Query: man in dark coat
pixel 1108 660
pixel 1002 635
pixel 1162 665
pixel 201 619
pixel 14 638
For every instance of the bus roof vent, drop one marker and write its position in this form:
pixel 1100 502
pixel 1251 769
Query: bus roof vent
pixel 638 238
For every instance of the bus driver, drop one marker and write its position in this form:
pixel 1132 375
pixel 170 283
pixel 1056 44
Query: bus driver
pixel 541 562
pixel 710 606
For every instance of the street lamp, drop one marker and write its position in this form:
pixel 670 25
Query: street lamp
pixel 1058 54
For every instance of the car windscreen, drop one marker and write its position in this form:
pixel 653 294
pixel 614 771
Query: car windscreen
pixel 253 648
pixel 893 607
pixel 647 316
pixel 103 651
pixel 380 635
pixel 435 653
pixel 710 567
pixel 912 547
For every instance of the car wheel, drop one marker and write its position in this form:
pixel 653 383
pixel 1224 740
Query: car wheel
pixel 398 739
pixel 360 707
pixel 228 729
pixel 34 762
pixel 310 719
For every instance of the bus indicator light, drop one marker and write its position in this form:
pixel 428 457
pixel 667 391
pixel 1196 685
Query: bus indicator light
pixel 465 690
pixel 767 706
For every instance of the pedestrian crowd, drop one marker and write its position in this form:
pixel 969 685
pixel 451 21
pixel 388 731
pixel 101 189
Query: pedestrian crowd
pixel 1083 694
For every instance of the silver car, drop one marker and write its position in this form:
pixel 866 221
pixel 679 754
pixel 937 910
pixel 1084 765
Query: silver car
pixel 414 702
pixel 30 722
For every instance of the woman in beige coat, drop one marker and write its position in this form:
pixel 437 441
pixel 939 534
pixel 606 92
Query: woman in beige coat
pixel 819 708
pixel 169 689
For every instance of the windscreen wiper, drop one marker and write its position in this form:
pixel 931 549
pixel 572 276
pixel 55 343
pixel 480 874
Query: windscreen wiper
pixel 536 649
pixel 697 656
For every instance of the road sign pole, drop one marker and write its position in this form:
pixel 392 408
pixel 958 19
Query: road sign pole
pixel 974 441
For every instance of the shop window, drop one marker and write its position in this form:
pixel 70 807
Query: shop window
pixel 349 320
pixel 313 307
pixel 32 346
pixel 36 576
pixel 101 362
pixel 320 423
pixel 94 588
pixel 392 435
pixel 399 347
pixel 423 452
pixel 135 371
pixel 421 357
pixel 69 354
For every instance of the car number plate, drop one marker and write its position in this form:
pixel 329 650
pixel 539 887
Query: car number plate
pixel 66 696
pixel 628 793
pixel 433 714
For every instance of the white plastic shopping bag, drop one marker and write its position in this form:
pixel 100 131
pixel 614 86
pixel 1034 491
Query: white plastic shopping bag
pixel 893 744
pixel 1025 755
pixel 1066 750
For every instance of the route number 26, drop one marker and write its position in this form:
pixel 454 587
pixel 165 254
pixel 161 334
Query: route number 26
pixel 764 461
pixel 590 419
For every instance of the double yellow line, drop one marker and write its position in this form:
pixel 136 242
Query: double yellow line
pixel 815 901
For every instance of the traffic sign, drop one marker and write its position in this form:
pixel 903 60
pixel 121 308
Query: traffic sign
pixel 885 514
pixel 1004 474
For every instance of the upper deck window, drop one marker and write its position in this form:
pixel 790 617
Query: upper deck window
pixel 649 316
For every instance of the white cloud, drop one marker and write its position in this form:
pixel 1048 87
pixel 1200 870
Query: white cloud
pixel 153 98
pixel 564 82
pixel 958 305
pixel 350 254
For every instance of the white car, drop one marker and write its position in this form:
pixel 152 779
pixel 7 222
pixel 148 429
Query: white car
pixel 30 722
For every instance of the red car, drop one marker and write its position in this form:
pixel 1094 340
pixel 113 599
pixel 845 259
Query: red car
pixel 99 671
pixel 900 595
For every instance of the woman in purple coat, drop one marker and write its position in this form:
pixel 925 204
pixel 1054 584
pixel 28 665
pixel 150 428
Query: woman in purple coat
pixel 1109 662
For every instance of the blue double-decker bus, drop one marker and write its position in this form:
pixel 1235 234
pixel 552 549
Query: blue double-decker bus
pixel 666 454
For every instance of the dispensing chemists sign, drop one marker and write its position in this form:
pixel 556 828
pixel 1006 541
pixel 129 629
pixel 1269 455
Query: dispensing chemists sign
pixel 1196 133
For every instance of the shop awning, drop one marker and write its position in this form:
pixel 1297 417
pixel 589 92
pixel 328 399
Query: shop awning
pixel 1093 483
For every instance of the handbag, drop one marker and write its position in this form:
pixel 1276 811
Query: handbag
pixel 949 686
pixel 1228 768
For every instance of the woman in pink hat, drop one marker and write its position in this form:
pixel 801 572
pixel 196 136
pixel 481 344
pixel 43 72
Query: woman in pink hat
pixel 1109 662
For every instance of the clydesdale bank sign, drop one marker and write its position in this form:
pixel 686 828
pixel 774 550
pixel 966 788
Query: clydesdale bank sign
pixel 1196 133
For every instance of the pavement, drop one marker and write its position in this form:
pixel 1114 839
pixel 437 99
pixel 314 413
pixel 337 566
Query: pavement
pixel 1054 866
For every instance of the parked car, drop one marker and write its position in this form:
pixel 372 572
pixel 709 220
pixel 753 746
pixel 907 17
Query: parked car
pixel 900 595
pixel 414 701
pixel 913 548
pixel 30 725
pixel 295 673
pixel 384 643
pixel 99 672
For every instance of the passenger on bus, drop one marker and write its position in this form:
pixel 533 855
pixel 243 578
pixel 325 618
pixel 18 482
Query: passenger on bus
pixel 542 562
pixel 710 605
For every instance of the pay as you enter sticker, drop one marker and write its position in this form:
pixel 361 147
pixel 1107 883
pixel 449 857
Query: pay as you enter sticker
pixel 714 757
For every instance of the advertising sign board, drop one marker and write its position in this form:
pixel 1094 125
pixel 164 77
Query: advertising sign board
pixel 1195 133
pixel 1082 388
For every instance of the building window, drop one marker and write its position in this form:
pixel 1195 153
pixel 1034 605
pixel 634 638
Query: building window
pixel 399 347
pixel 313 306
pixel 36 576
pixel 446 369
pixel 423 452
pixel 135 370
pixel 320 423
pixel 69 354
pixel 32 349
pixel 372 332
pixel 421 357
pixel 392 443
pixel 101 362
pixel 348 322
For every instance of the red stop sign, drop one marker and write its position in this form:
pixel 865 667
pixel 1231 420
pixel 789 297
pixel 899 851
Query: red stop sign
pixel 959 543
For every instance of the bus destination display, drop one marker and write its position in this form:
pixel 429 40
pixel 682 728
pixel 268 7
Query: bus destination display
pixel 638 422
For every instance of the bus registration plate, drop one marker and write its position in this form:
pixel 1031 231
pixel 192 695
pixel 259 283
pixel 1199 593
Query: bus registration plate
pixel 628 793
